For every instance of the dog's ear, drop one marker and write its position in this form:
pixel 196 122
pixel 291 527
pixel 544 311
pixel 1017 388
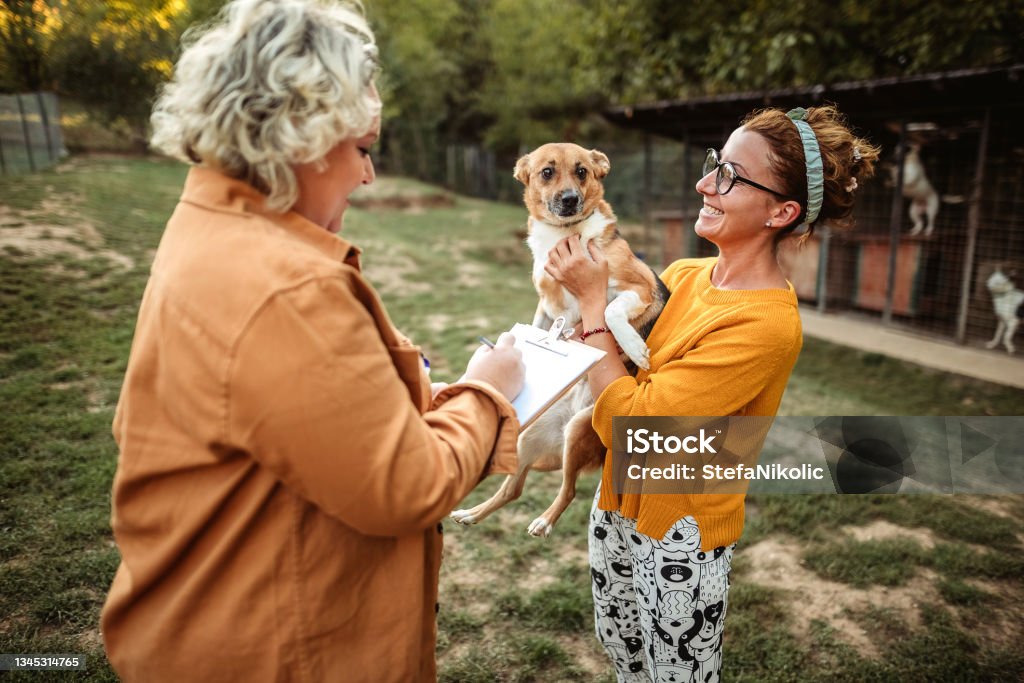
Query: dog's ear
pixel 601 163
pixel 522 172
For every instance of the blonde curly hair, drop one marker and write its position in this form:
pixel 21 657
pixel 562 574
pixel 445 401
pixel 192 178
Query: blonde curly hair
pixel 267 85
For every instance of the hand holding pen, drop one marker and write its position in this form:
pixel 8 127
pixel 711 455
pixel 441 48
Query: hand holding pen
pixel 499 364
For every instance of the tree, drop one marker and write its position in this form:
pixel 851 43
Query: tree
pixel 417 78
pixel 543 84
pixel 26 32
pixel 112 56
pixel 657 49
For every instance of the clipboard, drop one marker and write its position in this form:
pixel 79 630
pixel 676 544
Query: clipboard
pixel 553 366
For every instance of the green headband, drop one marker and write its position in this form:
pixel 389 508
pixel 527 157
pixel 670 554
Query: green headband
pixel 812 155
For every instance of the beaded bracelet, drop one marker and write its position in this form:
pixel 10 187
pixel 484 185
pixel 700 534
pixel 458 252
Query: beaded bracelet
pixel 596 330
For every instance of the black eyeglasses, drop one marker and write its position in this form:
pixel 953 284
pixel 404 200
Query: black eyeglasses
pixel 727 175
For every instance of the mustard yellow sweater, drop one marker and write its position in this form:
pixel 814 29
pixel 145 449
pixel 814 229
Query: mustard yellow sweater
pixel 714 352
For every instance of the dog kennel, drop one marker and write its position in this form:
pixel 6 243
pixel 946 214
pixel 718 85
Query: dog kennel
pixel 961 129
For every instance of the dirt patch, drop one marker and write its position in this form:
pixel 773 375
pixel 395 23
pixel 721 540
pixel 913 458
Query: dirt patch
pixel 999 622
pixel 95 399
pixel 394 273
pixel 1000 506
pixel 471 274
pixel 454 653
pixel 405 203
pixel 437 322
pixel 480 322
pixel 776 564
pixel 91 639
pixel 30 232
pixel 574 555
pixel 882 530
pixel 13 622
pixel 97 402
pixel 399 192
pixel 457 568
pixel 586 653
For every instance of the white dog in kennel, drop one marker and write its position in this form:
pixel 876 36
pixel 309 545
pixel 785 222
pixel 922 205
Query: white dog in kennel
pixel 924 200
pixel 1008 302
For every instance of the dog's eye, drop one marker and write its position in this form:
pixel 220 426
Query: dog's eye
pixel 547 173
pixel 581 173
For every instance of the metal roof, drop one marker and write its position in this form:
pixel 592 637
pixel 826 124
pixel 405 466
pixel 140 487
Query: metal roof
pixel 936 96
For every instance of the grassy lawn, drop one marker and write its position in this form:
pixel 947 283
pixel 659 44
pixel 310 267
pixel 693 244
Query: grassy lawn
pixel 897 588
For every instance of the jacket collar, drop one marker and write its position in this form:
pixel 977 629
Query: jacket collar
pixel 211 189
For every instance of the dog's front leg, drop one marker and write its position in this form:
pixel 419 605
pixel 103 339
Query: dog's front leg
pixel 999 333
pixel 625 307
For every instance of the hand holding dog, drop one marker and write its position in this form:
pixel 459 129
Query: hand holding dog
pixel 501 367
pixel 585 277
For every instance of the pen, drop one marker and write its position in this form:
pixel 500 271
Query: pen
pixel 488 342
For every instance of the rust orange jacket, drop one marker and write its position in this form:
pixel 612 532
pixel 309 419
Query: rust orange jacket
pixel 282 468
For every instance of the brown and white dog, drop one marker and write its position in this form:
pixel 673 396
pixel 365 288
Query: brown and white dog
pixel 565 197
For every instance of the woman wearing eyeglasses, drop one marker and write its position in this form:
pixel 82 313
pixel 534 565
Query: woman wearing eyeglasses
pixel 724 345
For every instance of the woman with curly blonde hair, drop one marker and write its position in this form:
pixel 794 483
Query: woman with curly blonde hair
pixel 284 461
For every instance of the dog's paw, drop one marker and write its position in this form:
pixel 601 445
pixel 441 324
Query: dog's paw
pixel 539 528
pixel 462 517
pixel 638 352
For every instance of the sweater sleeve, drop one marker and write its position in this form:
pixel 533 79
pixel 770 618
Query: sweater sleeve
pixel 314 396
pixel 723 372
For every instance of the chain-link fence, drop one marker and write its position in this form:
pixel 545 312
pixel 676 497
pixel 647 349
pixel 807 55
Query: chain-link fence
pixel 30 137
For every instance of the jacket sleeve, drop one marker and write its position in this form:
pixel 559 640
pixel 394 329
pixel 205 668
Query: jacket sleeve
pixel 725 371
pixel 314 396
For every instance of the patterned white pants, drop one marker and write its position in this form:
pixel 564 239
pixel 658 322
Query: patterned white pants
pixel 659 605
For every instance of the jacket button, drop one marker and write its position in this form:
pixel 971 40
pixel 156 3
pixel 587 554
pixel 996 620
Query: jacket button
pixel 440 528
pixel 437 607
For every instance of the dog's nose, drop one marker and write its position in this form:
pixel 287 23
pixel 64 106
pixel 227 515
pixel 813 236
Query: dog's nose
pixel 568 203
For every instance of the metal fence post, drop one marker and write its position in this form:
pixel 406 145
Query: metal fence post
pixel 973 218
pixel 448 166
pixel 648 179
pixel 822 284
pixel 690 239
pixel 46 126
pixel 894 224
pixel 28 140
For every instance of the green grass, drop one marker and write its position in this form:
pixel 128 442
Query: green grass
pixel 956 592
pixel 883 563
pixel 513 608
pixel 851 382
pixel 818 517
pixel 892 562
